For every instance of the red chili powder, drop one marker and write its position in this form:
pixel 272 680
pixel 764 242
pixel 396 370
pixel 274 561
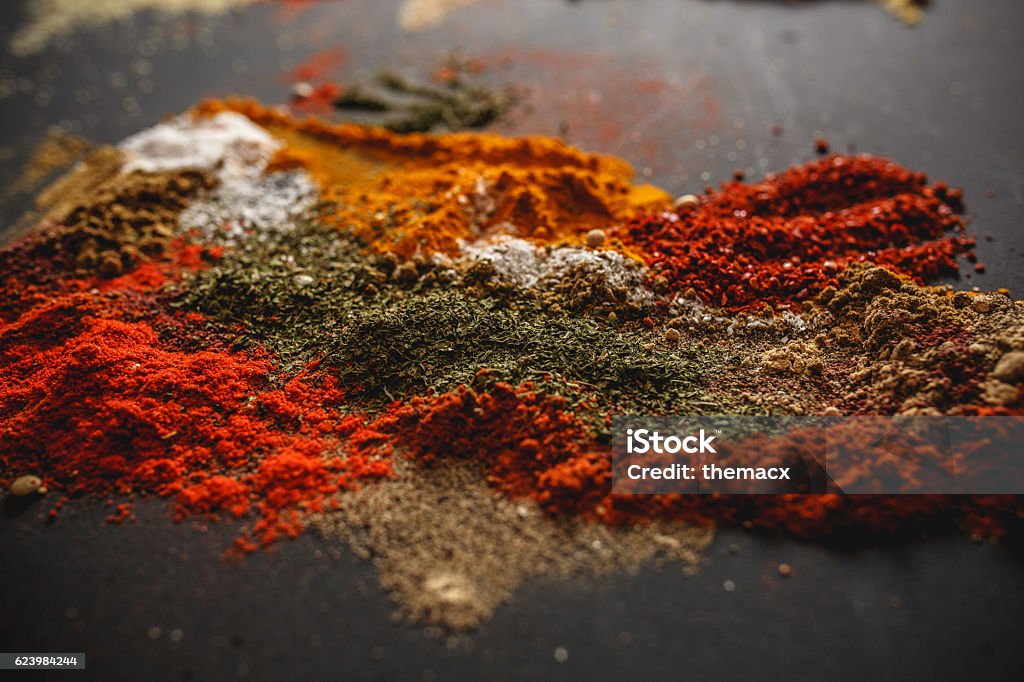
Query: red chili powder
pixel 124 415
pixel 321 101
pixel 289 10
pixel 317 65
pixel 782 240
pixel 532 446
pixel 153 274
pixel 31 276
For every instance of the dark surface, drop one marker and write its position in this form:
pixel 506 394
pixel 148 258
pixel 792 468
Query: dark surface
pixel 938 609
pixel 945 97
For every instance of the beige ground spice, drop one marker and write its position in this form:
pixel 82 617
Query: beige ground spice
pixel 420 15
pixel 909 11
pixel 877 344
pixel 922 350
pixel 58 152
pixel 450 550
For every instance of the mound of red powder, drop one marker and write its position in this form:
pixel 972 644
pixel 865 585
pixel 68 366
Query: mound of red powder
pixel 532 446
pixel 786 238
pixel 102 406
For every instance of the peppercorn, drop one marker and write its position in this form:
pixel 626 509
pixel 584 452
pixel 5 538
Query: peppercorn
pixel 25 485
pixel 686 202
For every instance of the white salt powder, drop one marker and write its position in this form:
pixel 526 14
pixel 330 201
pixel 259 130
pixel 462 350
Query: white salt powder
pixel 529 266
pixel 237 150
pixel 242 204
pixel 227 142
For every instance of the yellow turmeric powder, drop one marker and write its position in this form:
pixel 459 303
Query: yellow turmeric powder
pixel 418 193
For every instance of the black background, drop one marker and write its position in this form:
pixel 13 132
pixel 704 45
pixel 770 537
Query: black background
pixel 945 97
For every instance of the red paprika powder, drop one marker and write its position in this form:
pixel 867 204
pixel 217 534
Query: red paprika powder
pixel 532 446
pixel 124 415
pixel 784 239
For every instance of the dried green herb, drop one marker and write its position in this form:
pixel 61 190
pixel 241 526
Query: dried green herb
pixel 311 294
pixel 456 104
pixel 443 338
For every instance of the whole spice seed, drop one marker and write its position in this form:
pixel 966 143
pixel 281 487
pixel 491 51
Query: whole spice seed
pixel 595 238
pixel 686 202
pixel 25 485
pixel 302 90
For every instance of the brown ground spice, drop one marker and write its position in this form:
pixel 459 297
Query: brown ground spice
pixel 56 153
pixel 896 348
pixel 100 166
pixel 877 344
pixel 108 222
pixel 450 550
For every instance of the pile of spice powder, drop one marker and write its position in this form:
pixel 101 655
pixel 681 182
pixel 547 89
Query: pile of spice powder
pixel 785 238
pixel 404 338
pixel 419 194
